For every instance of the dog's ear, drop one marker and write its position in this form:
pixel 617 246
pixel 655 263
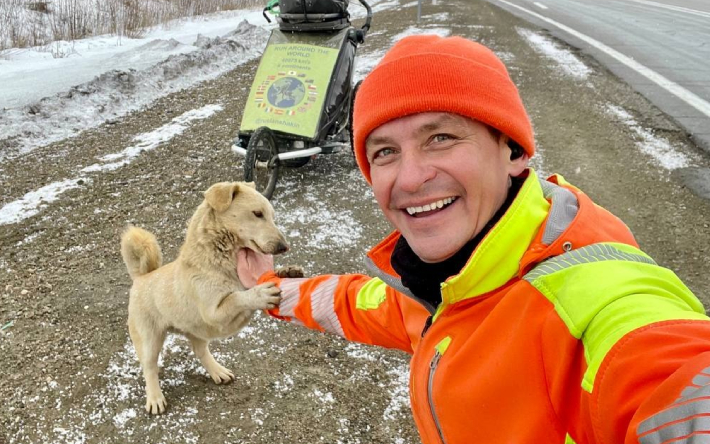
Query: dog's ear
pixel 220 195
pixel 250 184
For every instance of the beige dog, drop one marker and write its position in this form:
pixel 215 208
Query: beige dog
pixel 199 294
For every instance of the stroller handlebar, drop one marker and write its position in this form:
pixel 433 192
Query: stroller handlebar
pixel 368 20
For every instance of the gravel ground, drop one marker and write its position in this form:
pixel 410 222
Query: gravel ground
pixel 69 373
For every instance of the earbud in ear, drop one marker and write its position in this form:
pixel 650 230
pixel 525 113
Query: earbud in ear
pixel 516 151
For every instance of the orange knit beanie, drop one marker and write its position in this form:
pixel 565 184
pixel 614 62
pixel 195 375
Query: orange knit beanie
pixel 428 73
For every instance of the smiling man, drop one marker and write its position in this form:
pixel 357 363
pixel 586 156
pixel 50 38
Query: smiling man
pixel 530 312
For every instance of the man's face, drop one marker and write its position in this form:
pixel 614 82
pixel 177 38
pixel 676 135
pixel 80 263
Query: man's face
pixel 439 178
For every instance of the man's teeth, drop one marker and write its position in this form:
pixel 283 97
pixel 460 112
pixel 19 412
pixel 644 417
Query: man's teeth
pixel 432 206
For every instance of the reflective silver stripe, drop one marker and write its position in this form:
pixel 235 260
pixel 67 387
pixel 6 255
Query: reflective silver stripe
pixel 688 415
pixel 702 378
pixel 687 392
pixel 323 306
pixel 290 295
pixel 395 283
pixel 673 414
pixel 391 281
pixel 564 209
pixel 697 387
pixel 677 431
pixel 585 255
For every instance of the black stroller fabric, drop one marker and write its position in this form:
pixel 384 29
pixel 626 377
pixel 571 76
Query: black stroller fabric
pixel 313 15
pixel 337 8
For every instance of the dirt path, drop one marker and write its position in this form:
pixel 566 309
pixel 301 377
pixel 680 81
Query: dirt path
pixel 69 375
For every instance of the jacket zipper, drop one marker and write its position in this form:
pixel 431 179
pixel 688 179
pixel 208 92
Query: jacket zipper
pixel 430 393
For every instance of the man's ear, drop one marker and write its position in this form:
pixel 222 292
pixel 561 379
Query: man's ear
pixel 516 157
pixel 220 195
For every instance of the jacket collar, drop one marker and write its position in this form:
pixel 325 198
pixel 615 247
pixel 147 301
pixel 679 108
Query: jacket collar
pixel 546 219
pixel 496 260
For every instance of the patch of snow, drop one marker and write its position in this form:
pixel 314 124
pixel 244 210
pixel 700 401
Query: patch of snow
pixel 115 93
pixel 28 239
pixel 662 152
pixel 414 30
pixel 439 17
pixel 335 229
pixel 385 5
pixel 568 62
pixel 357 351
pixel 33 202
pixel 123 417
pixel 399 390
pixel 365 63
pixel 151 140
pixel 506 57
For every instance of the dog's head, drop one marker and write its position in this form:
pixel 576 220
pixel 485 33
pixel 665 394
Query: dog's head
pixel 244 213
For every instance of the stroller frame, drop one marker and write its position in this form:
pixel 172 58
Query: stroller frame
pixel 300 102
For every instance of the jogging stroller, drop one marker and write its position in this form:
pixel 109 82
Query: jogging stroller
pixel 300 101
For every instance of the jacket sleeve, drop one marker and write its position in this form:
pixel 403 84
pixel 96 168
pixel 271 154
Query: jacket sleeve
pixel 639 366
pixel 356 307
pixel 654 385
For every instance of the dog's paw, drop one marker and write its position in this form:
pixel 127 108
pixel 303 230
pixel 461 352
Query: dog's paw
pixel 269 295
pixel 156 404
pixel 220 374
pixel 290 271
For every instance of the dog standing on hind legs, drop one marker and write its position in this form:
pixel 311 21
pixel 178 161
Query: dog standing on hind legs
pixel 199 295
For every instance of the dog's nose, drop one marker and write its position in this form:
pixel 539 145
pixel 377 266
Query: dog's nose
pixel 281 247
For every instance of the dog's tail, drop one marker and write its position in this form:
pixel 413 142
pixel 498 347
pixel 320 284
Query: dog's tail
pixel 140 251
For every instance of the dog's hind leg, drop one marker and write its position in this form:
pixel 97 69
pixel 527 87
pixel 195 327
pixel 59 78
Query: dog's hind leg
pixel 148 347
pixel 218 373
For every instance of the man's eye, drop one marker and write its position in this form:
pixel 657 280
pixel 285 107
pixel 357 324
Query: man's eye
pixel 442 138
pixel 384 152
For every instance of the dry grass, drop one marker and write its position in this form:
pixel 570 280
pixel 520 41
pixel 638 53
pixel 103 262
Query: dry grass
pixel 26 23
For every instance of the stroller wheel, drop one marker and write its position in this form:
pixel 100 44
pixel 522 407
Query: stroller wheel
pixel 261 164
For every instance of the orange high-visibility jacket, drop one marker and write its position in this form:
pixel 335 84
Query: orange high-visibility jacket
pixel 557 330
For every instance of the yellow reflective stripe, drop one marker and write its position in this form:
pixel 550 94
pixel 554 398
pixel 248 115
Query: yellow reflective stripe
pixel 604 291
pixel 496 258
pixel 443 345
pixel 625 315
pixel 371 295
pixel 569 440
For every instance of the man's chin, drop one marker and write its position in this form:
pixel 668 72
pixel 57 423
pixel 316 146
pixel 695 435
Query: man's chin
pixel 433 252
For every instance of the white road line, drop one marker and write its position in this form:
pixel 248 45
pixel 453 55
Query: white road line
pixel 539 5
pixel 670 86
pixel 673 8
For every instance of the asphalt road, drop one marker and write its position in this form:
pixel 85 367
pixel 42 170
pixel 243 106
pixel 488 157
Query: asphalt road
pixel 661 48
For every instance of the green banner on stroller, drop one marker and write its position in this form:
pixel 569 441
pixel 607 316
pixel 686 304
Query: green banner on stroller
pixel 291 83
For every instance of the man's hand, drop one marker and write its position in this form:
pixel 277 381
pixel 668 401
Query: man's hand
pixel 251 265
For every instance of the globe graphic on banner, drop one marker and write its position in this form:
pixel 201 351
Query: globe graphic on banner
pixel 286 92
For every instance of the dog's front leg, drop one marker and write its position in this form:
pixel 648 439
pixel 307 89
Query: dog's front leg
pixel 217 372
pixel 243 303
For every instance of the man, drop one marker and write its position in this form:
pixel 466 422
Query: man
pixel 530 313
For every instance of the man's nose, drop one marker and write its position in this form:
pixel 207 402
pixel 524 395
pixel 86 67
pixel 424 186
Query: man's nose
pixel 414 171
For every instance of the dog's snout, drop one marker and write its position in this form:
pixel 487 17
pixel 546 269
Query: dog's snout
pixel 281 247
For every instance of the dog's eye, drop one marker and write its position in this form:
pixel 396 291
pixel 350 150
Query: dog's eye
pixel 258 214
